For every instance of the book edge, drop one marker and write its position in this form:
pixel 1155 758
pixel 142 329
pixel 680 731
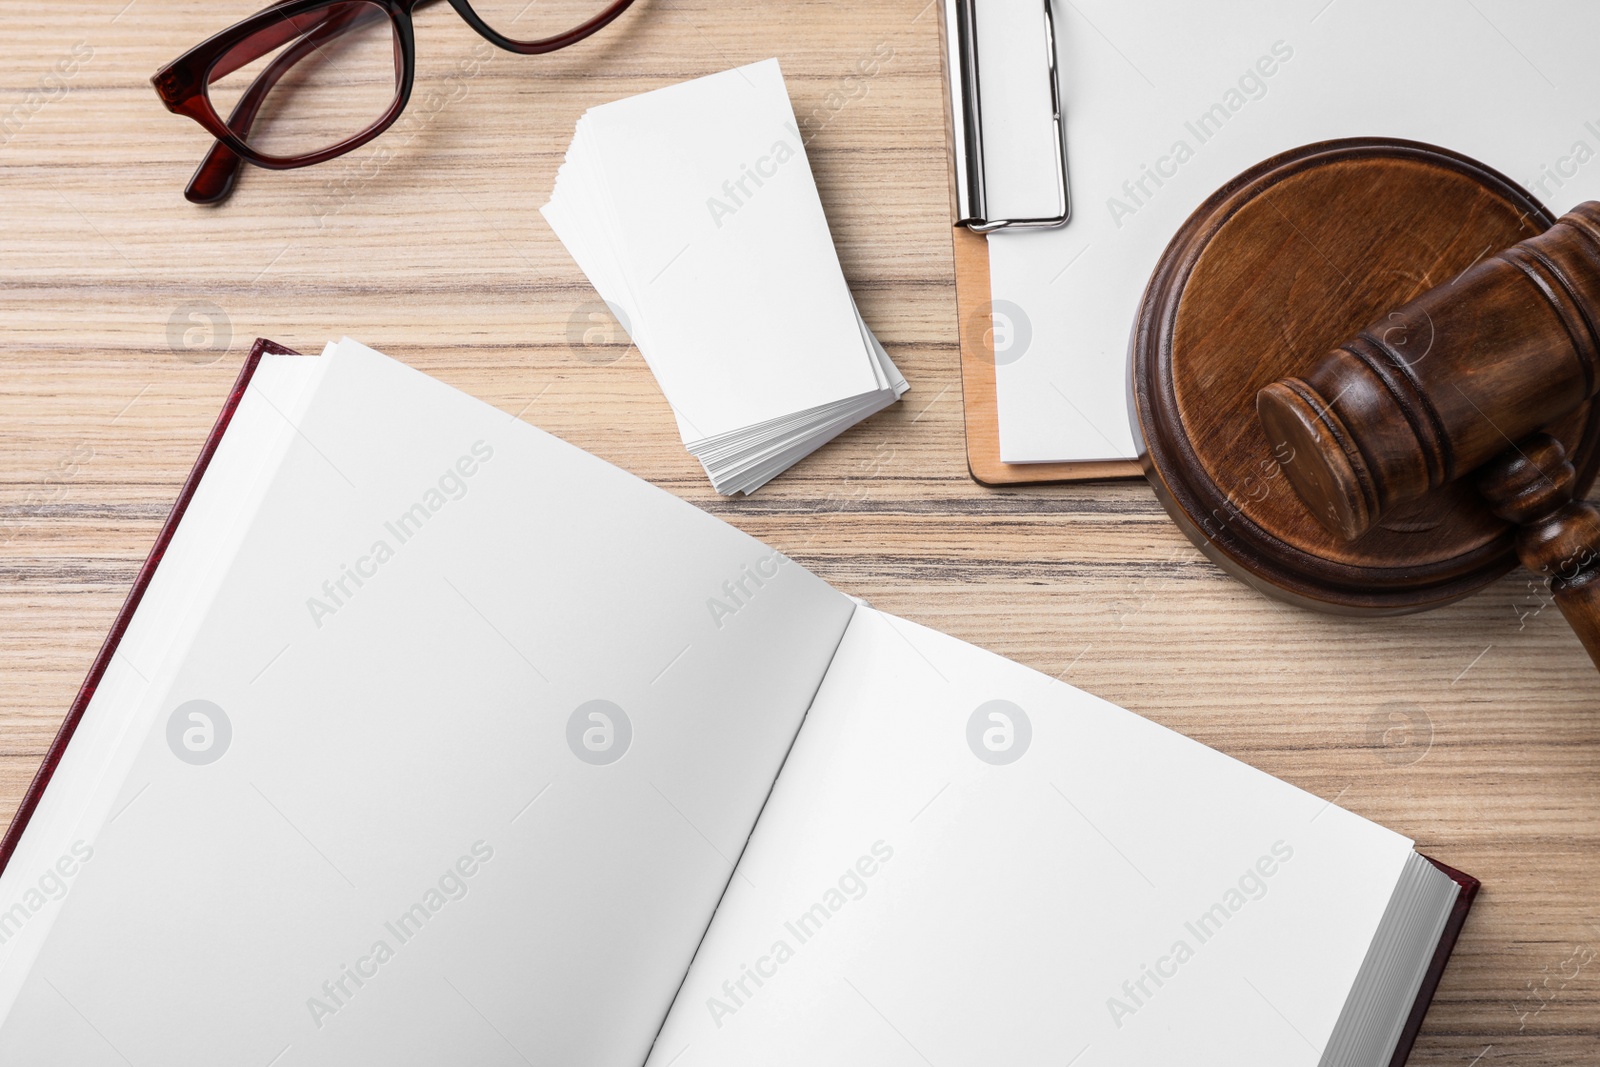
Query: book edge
pixel 130 604
pixel 1441 956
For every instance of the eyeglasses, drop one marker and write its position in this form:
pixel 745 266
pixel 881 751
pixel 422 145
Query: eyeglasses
pixel 304 81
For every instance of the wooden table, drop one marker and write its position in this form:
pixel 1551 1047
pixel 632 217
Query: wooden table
pixel 125 313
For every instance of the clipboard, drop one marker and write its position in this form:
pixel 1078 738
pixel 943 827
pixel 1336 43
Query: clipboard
pixel 970 245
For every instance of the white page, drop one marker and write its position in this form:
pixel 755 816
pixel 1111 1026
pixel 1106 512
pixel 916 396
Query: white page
pixel 1510 84
pixel 412 749
pixel 974 912
pixel 1020 148
pixel 726 252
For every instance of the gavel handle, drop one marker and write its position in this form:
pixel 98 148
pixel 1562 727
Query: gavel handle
pixel 1558 537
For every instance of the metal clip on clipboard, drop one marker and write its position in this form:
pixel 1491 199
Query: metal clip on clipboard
pixel 971 193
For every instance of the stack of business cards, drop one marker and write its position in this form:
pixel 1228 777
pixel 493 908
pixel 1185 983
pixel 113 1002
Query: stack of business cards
pixel 693 211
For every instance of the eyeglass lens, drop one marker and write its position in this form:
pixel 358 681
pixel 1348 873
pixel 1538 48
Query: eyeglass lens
pixel 310 82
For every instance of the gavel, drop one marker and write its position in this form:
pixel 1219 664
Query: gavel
pixel 1460 382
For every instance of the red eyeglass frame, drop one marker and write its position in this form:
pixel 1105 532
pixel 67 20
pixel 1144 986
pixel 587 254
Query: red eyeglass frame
pixel 182 83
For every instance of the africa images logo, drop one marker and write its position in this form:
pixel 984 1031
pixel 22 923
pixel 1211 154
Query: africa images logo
pixel 599 732
pixel 999 732
pixel 199 732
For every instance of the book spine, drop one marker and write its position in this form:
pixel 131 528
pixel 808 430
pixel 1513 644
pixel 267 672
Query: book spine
pixel 147 571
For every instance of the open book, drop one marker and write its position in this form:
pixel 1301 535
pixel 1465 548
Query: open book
pixel 427 738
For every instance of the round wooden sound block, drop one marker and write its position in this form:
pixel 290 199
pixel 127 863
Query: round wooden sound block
pixel 1278 267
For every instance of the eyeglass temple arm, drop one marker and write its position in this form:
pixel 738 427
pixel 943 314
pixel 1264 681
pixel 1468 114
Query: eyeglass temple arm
pixel 213 180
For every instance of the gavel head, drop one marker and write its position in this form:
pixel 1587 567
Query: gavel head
pixel 1444 384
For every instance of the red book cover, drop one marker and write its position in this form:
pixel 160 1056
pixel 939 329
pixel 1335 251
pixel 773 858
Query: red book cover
pixel 102 659
pixel 1441 956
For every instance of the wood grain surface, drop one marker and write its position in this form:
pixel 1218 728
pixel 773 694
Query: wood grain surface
pixel 125 312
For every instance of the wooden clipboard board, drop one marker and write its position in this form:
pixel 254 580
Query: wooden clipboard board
pixel 976 327
pixel 978 385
